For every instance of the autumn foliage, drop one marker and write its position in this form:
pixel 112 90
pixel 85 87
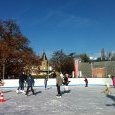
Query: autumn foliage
pixel 15 52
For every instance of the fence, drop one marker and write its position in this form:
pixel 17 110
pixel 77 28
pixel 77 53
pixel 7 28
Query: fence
pixel 86 68
pixel 13 83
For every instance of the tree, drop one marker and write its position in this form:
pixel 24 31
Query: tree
pixel 15 53
pixel 84 58
pixel 57 60
pixel 62 62
pixel 109 55
pixel 103 57
pixel 113 57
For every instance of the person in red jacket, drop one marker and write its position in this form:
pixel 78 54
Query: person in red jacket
pixel 86 82
pixel 113 79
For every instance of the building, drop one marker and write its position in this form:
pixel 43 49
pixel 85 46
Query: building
pixel 45 67
pixel 99 72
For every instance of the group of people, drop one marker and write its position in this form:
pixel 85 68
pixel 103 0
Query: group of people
pixel 28 80
pixel 62 80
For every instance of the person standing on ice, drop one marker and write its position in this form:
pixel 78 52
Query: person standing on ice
pixel 21 83
pixel 1 82
pixel 59 82
pixel 66 82
pixel 45 82
pixel 86 81
pixel 113 79
pixel 30 83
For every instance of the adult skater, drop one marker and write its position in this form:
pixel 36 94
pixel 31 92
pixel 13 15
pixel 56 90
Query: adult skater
pixel 45 82
pixel 86 81
pixel 59 82
pixel 66 82
pixel 21 83
pixel 30 83
pixel 1 82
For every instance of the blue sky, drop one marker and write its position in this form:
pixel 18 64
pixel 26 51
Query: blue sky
pixel 81 26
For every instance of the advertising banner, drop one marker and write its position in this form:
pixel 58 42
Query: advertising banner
pixel 76 67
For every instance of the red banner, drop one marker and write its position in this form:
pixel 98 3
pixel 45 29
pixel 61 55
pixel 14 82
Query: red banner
pixel 76 65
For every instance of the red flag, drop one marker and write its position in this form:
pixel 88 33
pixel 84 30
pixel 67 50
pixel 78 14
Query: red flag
pixel 76 64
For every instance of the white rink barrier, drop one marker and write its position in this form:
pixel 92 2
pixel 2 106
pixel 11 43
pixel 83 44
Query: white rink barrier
pixel 52 82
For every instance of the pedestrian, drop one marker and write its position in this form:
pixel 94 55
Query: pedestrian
pixel 59 82
pixel 66 82
pixel 86 82
pixel 45 82
pixel 113 79
pixel 1 82
pixel 21 83
pixel 107 89
pixel 30 83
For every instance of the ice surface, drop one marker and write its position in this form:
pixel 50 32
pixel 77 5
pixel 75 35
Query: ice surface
pixel 80 101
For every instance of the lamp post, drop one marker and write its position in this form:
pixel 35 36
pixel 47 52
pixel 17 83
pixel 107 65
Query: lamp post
pixel 3 70
pixel 92 68
pixel 92 61
pixel 48 70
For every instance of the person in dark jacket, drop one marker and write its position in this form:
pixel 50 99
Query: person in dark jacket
pixel 21 83
pixel 86 82
pixel 45 82
pixel 66 82
pixel 30 83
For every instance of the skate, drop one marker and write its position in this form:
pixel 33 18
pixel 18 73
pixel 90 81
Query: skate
pixel 58 96
pixel 17 91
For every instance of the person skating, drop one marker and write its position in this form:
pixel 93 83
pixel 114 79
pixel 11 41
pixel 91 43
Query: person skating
pixel 1 82
pixel 45 82
pixel 113 79
pixel 66 82
pixel 86 82
pixel 107 89
pixel 21 83
pixel 59 82
pixel 30 83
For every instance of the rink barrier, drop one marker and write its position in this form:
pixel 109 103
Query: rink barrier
pixel 14 83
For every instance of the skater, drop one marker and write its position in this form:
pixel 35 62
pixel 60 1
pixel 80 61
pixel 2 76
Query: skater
pixel 113 79
pixel 1 82
pixel 66 82
pixel 86 82
pixel 21 83
pixel 30 83
pixel 59 82
pixel 45 82
pixel 107 89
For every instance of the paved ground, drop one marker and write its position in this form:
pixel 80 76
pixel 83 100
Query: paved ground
pixel 80 101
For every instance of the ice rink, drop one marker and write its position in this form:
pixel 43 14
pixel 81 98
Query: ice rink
pixel 80 101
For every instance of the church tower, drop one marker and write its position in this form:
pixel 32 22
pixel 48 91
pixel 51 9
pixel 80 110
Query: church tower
pixel 44 64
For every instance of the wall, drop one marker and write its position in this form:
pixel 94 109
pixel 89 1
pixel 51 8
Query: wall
pixel 51 82
pixel 99 72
